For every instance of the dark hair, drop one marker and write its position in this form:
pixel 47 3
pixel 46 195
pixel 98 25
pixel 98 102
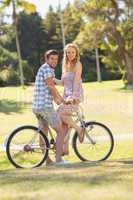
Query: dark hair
pixel 49 53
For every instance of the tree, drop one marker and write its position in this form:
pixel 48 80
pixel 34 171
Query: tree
pixel 72 21
pixel 33 39
pixel 52 25
pixel 16 5
pixel 108 21
pixel 54 36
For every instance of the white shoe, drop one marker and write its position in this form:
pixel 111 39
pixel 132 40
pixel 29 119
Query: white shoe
pixel 63 162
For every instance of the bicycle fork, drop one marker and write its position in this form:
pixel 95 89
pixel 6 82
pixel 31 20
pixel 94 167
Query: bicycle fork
pixel 83 124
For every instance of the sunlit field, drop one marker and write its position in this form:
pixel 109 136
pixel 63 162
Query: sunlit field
pixel 106 102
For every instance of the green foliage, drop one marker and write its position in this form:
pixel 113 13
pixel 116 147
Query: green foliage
pixel 33 39
pixel 7 58
pixel 8 76
pixel 23 4
pixel 72 22
pixel 52 26
pixel 86 23
pixel 28 72
pixel 126 27
pixel 112 62
pixel 16 6
pixel 109 26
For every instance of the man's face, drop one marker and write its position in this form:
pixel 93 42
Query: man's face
pixel 53 60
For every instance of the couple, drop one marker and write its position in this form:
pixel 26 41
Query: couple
pixel 45 93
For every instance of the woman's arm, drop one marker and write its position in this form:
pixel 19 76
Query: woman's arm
pixel 78 72
pixel 77 81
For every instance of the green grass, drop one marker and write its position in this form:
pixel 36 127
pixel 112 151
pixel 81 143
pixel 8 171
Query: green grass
pixel 110 180
pixel 107 102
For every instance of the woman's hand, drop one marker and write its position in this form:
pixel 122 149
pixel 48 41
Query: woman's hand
pixel 71 101
pixel 59 100
pixel 67 102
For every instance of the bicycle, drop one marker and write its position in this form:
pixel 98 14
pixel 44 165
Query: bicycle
pixel 24 150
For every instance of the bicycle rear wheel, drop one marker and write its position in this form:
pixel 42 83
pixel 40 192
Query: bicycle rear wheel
pixel 97 145
pixel 27 147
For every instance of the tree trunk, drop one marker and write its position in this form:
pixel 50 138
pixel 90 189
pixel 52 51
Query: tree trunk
pixel 99 78
pixel 125 56
pixel 15 21
pixel 129 70
pixel 19 57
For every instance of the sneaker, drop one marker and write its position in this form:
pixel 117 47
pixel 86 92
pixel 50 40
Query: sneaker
pixel 62 162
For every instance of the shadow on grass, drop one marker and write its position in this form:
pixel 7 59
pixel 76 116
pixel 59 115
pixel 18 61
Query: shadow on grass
pixel 123 90
pixel 90 177
pixel 78 173
pixel 9 106
pixel 127 161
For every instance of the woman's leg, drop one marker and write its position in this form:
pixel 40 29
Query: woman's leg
pixel 66 142
pixel 67 118
pixel 59 141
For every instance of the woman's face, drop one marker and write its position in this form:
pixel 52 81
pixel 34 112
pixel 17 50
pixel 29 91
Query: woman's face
pixel 71 53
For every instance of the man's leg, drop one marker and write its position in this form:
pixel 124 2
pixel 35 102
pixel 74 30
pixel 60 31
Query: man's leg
pixel 53 119
pixel 45 131
pixel 43 125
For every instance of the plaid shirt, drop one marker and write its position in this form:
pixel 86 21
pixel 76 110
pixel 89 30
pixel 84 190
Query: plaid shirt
pixel 42 97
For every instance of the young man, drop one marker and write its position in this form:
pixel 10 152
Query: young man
pixel 44 95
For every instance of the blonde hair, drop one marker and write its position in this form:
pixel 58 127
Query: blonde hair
pixel 65 58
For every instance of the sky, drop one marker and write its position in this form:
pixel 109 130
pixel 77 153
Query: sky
pixel 43 5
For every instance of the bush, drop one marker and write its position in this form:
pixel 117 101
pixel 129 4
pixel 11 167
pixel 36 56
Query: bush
pixel 28 72
pixel 9 77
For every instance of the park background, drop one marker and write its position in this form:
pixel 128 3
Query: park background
pixel 103 30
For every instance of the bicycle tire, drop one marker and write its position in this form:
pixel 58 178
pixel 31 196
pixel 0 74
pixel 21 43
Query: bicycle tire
pixel 75 142
pixel 14 133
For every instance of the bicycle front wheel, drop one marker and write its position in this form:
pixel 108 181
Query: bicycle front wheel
pixel 97 145
pixel 27 147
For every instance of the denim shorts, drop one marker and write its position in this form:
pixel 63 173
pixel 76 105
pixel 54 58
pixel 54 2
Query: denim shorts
pixel 48 116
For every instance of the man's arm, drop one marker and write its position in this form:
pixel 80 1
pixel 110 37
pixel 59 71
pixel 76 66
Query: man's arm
pixel 54 92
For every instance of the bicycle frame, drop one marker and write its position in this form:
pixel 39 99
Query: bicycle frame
pixel 79 118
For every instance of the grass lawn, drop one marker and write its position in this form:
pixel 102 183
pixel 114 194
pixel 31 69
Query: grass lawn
pixel 112 180
pixel 109 180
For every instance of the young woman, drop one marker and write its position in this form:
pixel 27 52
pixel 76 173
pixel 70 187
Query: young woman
pixel 73 92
